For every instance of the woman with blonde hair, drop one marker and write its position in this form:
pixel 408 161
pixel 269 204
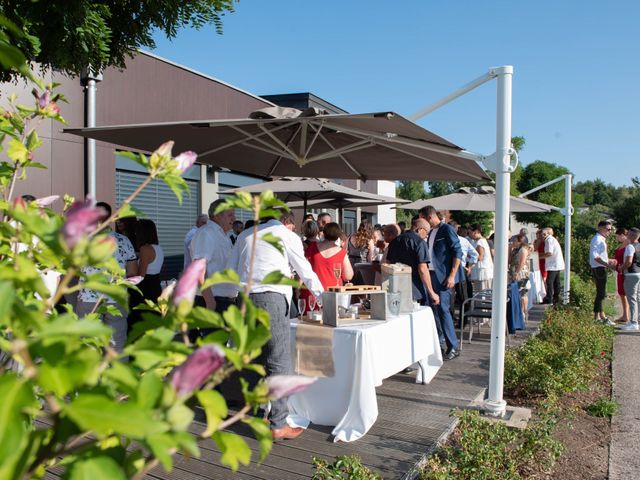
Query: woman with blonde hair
pixel 360 245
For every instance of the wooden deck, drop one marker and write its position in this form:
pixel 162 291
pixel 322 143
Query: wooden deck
pixel 412 420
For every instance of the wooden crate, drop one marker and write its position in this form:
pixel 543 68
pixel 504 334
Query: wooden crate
pixel 331 302
pixel 355 289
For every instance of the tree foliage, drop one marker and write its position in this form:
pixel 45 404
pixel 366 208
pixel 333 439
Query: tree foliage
pixel 69 35
pixel 535 174
pixel 597 192
pixel 409 190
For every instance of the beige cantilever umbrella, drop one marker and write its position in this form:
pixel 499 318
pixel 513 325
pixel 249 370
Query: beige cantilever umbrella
pixel 316 192
pixel 278 142
pixel 481 199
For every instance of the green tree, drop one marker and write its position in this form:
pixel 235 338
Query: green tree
pixel 597 192
pixel 536 174
pixel 413 190
pixel 69 35
pixel 627 211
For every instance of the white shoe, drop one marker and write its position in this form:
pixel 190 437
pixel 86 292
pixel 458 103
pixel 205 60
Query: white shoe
pixel 630 327
pixel 611 323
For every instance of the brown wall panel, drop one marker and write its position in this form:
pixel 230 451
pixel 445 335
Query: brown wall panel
pixel 149 90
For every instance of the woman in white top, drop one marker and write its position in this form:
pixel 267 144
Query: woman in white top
pixel 150 260
pixel 482 272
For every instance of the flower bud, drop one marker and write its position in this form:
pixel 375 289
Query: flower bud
pixel 187 286
pixel 164 150
pixel 192 374
pixel 281 386
pixel 82 218
pixel 185 160
pixel 46 201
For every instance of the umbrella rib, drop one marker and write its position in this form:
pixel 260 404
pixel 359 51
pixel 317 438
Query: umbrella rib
pixel 317 129
pixel 275 164
pixel 248 136
pixel 342 157
pixel 423 145
pixel 432 162
pixel 284 147
pixel 340 151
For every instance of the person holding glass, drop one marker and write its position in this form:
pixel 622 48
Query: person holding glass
pixel 329 261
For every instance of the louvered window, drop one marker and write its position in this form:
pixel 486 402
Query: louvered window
pixel 159 204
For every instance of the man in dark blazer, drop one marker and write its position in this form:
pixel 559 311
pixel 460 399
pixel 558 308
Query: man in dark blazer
pixel 445 253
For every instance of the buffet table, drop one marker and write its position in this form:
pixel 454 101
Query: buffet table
pixel 363 356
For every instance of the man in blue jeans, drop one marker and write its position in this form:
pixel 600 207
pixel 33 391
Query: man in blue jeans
pixel 445 253
pixel 276 354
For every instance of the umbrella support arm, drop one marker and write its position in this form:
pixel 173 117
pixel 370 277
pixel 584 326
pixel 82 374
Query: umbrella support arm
pixel 487 77
pixel 567 211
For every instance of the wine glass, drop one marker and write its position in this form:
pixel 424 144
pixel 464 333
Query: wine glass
pixel 312 303
pixel 301 306
pixel 337 271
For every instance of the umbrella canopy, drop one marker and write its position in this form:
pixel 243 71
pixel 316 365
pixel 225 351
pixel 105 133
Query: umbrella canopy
pixel 283 142
pixel 341 203
pixel 482 199
pixel 315 192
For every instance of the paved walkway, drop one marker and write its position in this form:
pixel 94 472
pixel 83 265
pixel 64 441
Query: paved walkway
pixel 624 454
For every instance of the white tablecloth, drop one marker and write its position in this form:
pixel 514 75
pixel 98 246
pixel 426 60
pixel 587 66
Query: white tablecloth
pixel 363 357
pixel 537 290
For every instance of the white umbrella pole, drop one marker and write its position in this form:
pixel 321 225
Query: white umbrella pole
pixel 495 404
pixel 568 211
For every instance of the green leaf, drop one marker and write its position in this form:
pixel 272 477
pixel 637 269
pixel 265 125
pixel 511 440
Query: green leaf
pixel 123 378
pixel 262 433
pixel 234 449
pixel 128 210
pixel 239 330
pixel 116 292
pixel 278 278
pixel 161 446
pixel 62 375
pixel 67 325
pixel 101 467
pixel 188 443
pixel 274 241
pixel 7 296
pixel 33 141
pixel 139 158
pixel 17 396
pixel 104 416
pixel 225 276
pixel 149 391
pixel 16 151
pixel 240 200
pixel 180 417
pixel 214 407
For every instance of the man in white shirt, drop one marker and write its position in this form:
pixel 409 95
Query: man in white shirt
pixel 554 264
pixel 201 220
pixel 212 243
pixel 599 262
pixel 276 354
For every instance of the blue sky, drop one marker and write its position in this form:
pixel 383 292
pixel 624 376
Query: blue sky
pixel 576 67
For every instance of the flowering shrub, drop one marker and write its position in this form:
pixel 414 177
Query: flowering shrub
pixel 67 397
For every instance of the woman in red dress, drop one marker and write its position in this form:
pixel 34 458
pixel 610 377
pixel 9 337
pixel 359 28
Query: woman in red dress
pixel 621 236
pixel 329 260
